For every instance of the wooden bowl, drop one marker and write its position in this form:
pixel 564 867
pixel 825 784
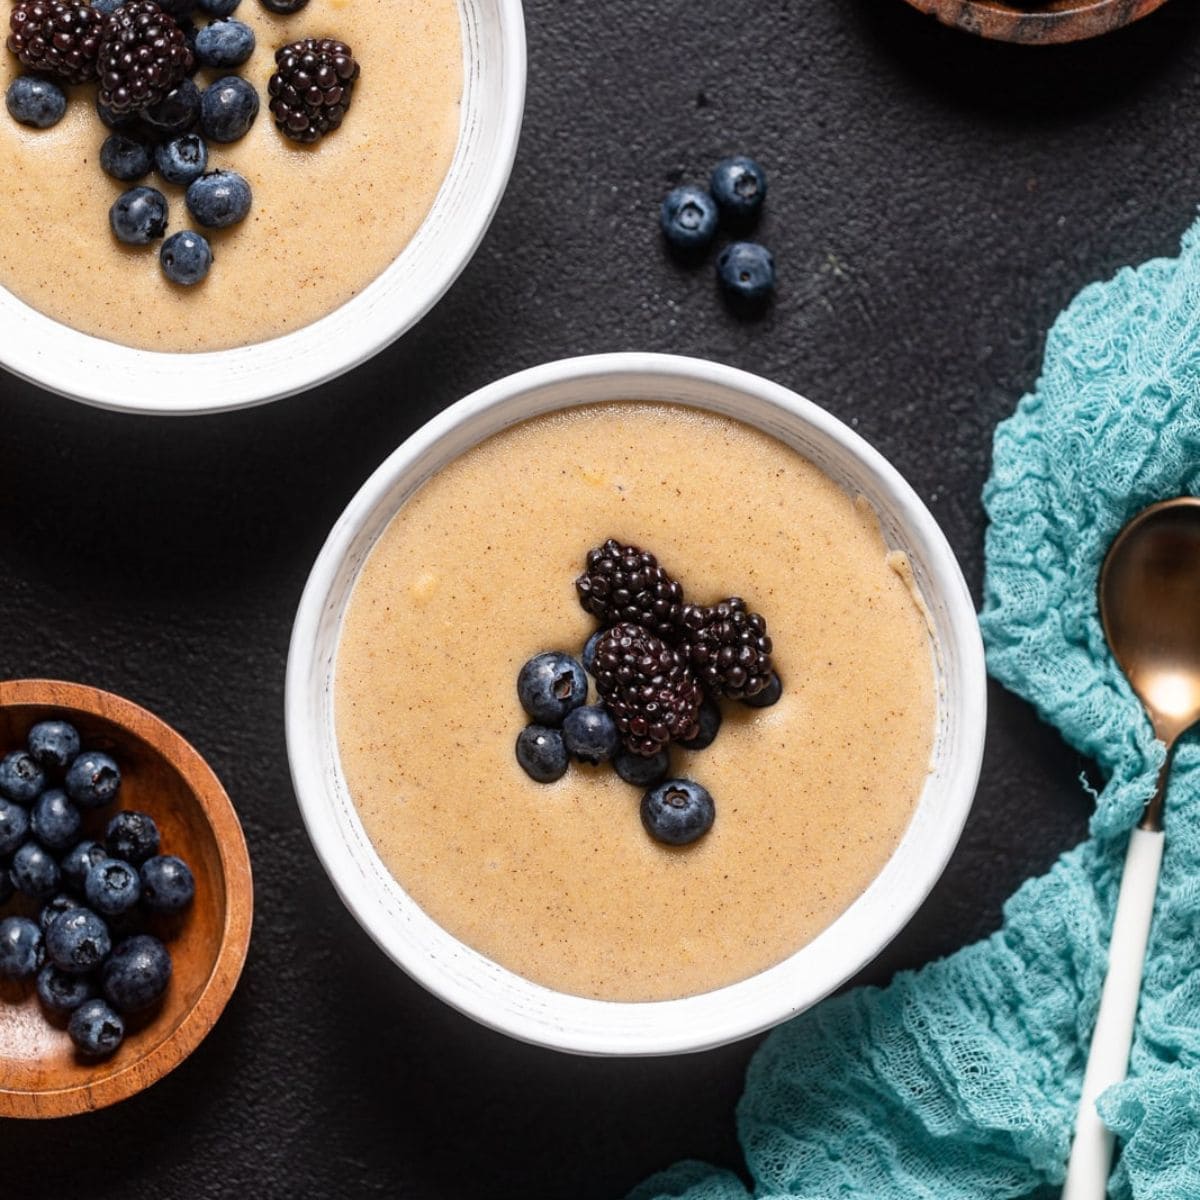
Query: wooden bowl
pixel 40 1074
pixel 1038 24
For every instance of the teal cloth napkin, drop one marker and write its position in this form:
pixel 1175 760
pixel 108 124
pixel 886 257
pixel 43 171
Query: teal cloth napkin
pixel 960 1081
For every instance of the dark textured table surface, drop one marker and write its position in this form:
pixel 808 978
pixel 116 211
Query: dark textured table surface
pixel 934 202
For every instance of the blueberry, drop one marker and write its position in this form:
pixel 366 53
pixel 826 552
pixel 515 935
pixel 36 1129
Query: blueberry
pixel 550 685
pixel 768 696
pixel 125 157
pixel 62 993
pixel 590 734
pixel 746 271
pixel 132 837
pixel 53 744
pixel 541 753
pixel 227 109
pixel 55 821
pixel 710 726
pixel 78 942
pixel 167 884
pixel 95 1029
pixel 176 112
pixel 115 120
pixel 640 771
pixel 219 199
pixel 185 257
pixel 34 872
pixel 180 10
pixel 283 6
pixel 112 887
pixel 21 779
pixel 182 159
pixel 677 812
pixel 21 949
pixel 35 102
pixel 739 186
pixel 218 8
pixel 138 216
pixel 76 865
pixel 107 7
pixel 53 909
pixel 93 778
pixel 688 218
pixel 589 651
pixel 6 885
pixel 136 973
pixel 14 826
pixel 224 44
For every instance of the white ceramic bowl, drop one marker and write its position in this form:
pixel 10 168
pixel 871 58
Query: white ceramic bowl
pixel 476 985
pixel 111 376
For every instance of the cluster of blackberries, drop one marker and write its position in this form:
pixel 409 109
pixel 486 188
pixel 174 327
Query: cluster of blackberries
pixel 661 666
pixel 73 893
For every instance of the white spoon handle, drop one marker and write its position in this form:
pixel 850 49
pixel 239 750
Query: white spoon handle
pixel 1108 1060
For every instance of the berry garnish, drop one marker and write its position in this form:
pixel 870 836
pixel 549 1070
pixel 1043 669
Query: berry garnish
pixel 677 812
pixel 624 584
pixel 746 272
pixel 21 948
pixel 137 217
pixel 589 651
pixel 186 258
pixel 218 8
pixel 125 158
pixel 768 696
pixel 34 873
pixel 62 993
pixel 78 941
pixel 739 186
pixel 181 160
pixel 21 779
pixel 688 218
pixel 55 908
pixel 14 826
pixel 224 43
pixel 93 778
pixel 55 820
pixel 167 884
pixel 112 887
pixel 136 973
pixel 132 837
pixel 729 648
pixel 312 87
pixel 143 55
pixel 710 726
pixel 640 771
pixel 37 103
pixel 57 37
pixel 176 112
pixel 79 861
pixel 648 687
pixel 283 7
pixel 590 734
pixel 227 109
pixel 542 753
pixel 218 199
pixel 550 685
pixel 95 1029
pixel 53 744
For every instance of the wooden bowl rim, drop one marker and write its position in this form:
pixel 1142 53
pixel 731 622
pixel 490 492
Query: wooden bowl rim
pixel 1085 19
pixel 230 840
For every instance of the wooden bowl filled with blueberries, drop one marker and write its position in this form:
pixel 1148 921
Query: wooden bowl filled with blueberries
pixel 125 899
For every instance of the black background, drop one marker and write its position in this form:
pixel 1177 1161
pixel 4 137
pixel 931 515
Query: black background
pixel 934 202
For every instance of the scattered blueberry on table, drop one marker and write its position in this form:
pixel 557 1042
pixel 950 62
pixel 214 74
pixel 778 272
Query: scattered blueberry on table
pixel 746 271
pixel 689 218
pixel 739 187
pixel 75 877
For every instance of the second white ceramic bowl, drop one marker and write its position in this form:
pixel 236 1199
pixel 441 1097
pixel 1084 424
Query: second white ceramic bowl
pixel 483 989
pixel 111 376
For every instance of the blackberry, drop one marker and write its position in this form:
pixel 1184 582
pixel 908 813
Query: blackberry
pixel 648 687
pixel 54 37
pixel 144 54
pixel 622 584
pixel 728 647
pixel 312 87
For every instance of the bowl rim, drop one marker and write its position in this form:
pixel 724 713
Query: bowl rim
pixel 105 374
pixel 140 1073
pixel 997 21
pixel 317 802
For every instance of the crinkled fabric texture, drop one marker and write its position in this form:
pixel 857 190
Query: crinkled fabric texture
pixel 960 1081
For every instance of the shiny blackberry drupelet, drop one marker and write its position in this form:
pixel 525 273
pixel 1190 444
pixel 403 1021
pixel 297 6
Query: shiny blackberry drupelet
pixel 648 687
pixel 143 56
pixel 728 647
pixel 312 87
pixel 57 38
pixel 622 584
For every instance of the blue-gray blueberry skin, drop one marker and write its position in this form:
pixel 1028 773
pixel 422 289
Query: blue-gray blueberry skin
pixel 112 887
pixel 591 735
pixel 219 199
pixel 94 779
pixel 22 951
pixel 54 820
pixel 21 779
pixel 95 1029
pixel 709 726
pixel 167 884
pixel 746 271
pixel 186 258
pixel 54 908
pixel 228 108
pixel 79 861
pixel 78 941
pixel 739 186
pixel 61 993
pixel 14 826
pixel 37 103
pixel 677 812
pixel 550 685
pixel 136 974
pixel 224 43
pixel 53 744
pixel 182 159
pixel 34 872
pixel 132 837
pixel 218 8
pixel 642 771
pixel 176 112
pixel 542 753
pixel 688 218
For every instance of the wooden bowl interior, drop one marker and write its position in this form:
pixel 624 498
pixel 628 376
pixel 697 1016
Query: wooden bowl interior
pixel 37 1059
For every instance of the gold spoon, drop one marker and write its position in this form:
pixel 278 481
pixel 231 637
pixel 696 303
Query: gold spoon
pixel 1150 607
